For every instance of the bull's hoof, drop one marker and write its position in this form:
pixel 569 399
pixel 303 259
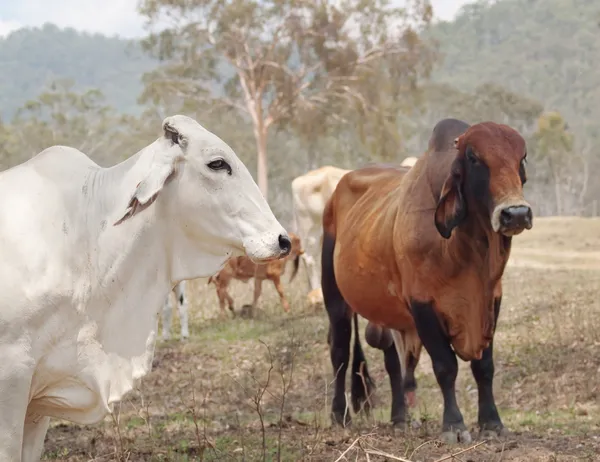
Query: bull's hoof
pixel 341 419
pixel 498 432
pixel 399 425
pixel 456 436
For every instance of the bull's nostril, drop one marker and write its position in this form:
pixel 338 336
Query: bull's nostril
pixel 505 217
pixel 285 244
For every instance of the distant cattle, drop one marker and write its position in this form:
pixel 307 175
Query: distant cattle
pixel 88 256
pixel 243 269
pixel 310 192
pixel 167 312
pixel 422 252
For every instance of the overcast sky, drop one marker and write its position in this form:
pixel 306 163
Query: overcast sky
pixel 112 17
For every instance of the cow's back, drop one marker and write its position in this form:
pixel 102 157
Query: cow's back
pixel 312 190
pixel 38 229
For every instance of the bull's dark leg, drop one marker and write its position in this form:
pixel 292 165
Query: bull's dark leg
pixel 392 366
pixel 410 382
pixel 445 368
pixel 340 332
pixel 381 338
pixel 483 371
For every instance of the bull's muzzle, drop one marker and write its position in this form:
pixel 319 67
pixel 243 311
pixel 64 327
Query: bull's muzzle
pixel 515 219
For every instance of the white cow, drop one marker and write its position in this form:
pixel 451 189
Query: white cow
pixel 88 257
pixel 310 192
pixel 167 312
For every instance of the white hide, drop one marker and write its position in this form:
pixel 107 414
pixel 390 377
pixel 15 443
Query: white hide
pixel 167 312
pixel 310 193
pixel 81 293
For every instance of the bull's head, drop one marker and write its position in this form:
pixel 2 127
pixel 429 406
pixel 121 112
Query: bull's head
pixel 487 177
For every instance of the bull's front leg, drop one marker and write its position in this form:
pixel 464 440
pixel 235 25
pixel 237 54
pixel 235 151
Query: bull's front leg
pixel 483 372
pixel 445 368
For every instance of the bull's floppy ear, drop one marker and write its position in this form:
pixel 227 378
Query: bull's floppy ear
pixel 148 189
pixel 451 208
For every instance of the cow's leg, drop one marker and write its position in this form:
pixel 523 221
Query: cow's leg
pixel 277 283
pixel 167 318
pixel 339 334
pixel 381 338
pixel 483 372
pixel 34 434
pixel 257 292
pixel 15 382
pixel 229 302
pixel 182 306
pixel 445 368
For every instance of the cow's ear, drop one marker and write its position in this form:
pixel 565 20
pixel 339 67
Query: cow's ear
pixel 451 208
pixel 149 188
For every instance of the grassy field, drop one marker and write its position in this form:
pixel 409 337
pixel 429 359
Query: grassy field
pixel 259 389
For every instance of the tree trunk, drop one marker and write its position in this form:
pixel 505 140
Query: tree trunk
pixel 557 195
pixel 262 165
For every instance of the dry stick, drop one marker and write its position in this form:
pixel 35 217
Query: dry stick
pixel 285 388
pixel 376 452
pixel 420 446
pixel 258 399
pixel 451 456
pixel 347 449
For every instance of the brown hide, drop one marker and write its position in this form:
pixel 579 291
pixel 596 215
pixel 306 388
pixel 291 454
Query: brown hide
pixel 388 250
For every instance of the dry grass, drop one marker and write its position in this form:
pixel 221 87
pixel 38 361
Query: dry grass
pixel 258 389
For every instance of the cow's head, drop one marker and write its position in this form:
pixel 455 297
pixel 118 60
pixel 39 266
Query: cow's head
pixel 487 177
pixel 207 196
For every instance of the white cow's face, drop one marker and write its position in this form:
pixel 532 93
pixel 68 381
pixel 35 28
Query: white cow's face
pixel 213 198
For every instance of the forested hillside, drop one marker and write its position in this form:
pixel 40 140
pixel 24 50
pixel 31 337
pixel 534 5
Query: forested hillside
pixel 534 64
pixel 30 59
pixel 546 49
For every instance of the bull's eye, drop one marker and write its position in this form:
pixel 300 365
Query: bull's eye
pixel 471 157
pixel 219 164
pixel 522 172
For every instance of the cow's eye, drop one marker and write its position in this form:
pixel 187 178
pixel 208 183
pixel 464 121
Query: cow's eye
pixel 219 164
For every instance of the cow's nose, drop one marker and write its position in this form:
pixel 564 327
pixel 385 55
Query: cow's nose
pixel 285 244
pixel 516 217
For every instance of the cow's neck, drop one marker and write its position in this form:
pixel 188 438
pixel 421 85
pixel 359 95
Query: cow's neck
pixel 129 265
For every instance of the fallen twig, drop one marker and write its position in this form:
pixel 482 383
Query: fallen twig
pixel 451 456
pixel 376 452
pixel 420 446
pixel 347 449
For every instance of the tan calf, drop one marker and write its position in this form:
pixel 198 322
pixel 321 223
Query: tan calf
pixel 243 269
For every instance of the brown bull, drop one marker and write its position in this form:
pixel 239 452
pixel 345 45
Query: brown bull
pixel 243 269
pixel 422 253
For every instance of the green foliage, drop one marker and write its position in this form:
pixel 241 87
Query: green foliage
pixel 547 49
pixel 287 60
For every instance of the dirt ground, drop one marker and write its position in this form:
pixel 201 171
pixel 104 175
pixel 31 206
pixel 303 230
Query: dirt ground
pixel 259 389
